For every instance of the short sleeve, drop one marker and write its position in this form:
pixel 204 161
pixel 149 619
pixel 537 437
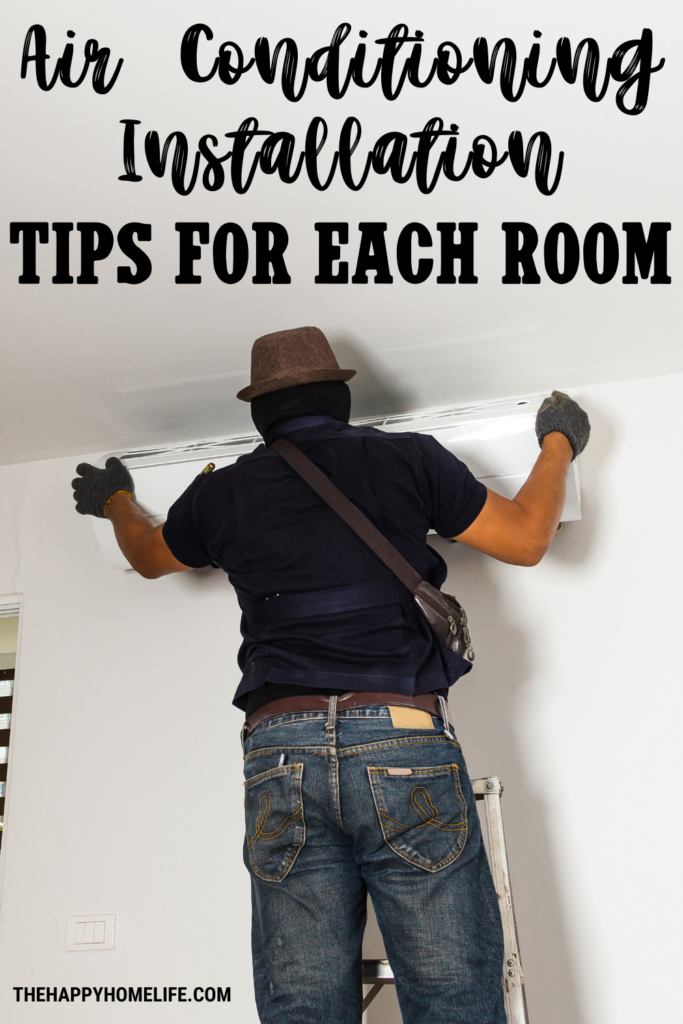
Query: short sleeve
pixel 182 530
pixel 457 496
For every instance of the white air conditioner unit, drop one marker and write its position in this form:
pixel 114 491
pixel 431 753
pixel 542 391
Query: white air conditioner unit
pixel 495 439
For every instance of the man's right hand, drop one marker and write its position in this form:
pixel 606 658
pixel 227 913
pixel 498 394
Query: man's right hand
pixel 560 412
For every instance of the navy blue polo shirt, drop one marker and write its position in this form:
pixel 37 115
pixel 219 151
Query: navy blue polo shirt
pixel 319 608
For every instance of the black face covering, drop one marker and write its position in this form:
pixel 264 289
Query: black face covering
pixel 322 398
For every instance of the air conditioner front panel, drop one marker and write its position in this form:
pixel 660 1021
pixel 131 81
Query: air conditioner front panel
pixel 496 440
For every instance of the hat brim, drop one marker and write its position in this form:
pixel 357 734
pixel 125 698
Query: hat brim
pixel 290 379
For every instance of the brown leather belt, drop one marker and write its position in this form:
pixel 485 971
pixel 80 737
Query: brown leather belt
pixel 354 699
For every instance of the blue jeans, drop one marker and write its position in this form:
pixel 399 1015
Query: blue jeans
pixel 329 819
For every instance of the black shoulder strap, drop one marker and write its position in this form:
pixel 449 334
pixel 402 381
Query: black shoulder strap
pixel 351 515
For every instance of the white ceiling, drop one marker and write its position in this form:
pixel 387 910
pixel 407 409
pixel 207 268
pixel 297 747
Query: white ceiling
pixel 110 366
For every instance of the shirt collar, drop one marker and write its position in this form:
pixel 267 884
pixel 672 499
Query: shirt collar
pixel 300 422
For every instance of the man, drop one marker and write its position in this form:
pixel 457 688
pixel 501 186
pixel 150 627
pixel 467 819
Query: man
pixel 355 782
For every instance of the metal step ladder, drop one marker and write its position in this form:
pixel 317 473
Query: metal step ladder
pixel 378 972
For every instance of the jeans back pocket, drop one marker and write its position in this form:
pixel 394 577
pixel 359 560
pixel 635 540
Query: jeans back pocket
pixel 422 813
pixel 275 826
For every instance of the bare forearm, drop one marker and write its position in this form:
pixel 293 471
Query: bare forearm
pixel 132 528
pixel 141 542
pixel 541 499
pixel 520 531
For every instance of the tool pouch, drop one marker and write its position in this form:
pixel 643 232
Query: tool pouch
pixel 446 618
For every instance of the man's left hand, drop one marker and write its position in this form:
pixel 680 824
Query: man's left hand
pixel 94 487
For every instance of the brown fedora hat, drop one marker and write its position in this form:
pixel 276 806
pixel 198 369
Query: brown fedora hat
pixel 286 358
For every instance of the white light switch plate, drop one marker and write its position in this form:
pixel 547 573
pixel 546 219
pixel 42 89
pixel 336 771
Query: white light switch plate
pixel 87 932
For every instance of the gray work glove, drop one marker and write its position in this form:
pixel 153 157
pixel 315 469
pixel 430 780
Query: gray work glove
pixel 560 412
pixel 94 487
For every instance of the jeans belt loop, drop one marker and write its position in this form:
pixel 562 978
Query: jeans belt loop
pixel 330 727
pixel 444 714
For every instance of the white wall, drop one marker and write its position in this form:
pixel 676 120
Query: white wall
pixel 125 790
